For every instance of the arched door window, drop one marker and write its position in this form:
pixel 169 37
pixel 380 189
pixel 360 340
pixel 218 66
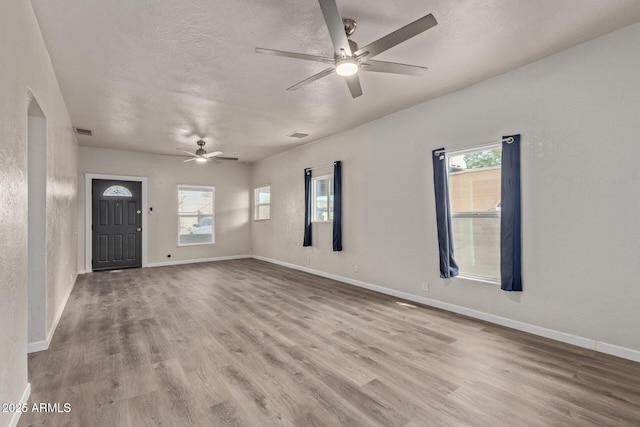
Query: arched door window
pixel 117 191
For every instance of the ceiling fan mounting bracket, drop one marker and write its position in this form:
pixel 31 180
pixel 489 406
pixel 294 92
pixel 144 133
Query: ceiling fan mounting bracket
pixel 350 26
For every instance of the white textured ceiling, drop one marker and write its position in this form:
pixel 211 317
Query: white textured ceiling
pixel 153 75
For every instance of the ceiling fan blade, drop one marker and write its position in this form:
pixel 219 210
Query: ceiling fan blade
pixel 312 78
pixel 354 85
pixel 226 158
pixel 398 36
pixel 187 152
pixel 392 67
pixel 190 160
pixel 294 55
pixel 212 154
pixel 335 26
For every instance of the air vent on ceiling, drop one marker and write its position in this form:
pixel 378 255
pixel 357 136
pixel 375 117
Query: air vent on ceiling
pixel 298 135
pixel 86 132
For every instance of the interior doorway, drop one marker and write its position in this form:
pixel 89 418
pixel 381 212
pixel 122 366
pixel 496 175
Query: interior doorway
pixel 37 227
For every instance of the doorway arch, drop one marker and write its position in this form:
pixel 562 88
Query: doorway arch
pixel 37 226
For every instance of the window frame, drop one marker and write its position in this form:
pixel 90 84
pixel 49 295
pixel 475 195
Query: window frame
pixel 180 215
pixel 257 205
pixel 473 214
pixel 314 199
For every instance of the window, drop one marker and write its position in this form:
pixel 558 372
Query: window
pixel 474 197
pixel 195 215
pixel 117 191
pixel 322 198
pixel 262 203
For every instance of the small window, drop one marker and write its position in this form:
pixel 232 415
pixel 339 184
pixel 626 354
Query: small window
pixel 117 191
pixel 195 215
pixel 262 203
pixel 474 198
pixel 322 198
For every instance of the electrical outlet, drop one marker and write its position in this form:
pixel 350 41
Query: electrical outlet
pixel 425 286
pixel 356 268
pixel 308 260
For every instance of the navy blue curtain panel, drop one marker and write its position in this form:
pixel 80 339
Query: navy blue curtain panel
pixel 510 227
pixel 307 208
pixel 337 206
pixel 448 265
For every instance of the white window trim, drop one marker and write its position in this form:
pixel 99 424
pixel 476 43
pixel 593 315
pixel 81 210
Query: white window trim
pixel 314 199
pixel 488 214
pixel 481 279
pixel 213 215
pixel 256 205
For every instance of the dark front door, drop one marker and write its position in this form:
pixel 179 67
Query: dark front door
pixel 117 224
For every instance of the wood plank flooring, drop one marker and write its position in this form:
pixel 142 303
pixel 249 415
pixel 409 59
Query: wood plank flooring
pixel 248 343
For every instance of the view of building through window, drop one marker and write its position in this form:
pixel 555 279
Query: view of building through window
pixel 474 197
pixel 262 203
pixel 322 198
pixel 195 215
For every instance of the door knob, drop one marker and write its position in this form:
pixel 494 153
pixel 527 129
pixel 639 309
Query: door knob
pixel 138 229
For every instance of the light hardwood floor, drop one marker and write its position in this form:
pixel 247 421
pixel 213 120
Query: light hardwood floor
pixel 249 343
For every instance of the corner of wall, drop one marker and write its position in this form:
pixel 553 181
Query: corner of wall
pixel 15 418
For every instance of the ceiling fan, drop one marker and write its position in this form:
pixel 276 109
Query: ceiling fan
pixel 201 154
pixel 348 59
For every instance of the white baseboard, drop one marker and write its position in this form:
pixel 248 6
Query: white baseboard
pixel 579 341
pixel 34 347
pixel 23 400
pixel 615 350
pixel 184 261
pixel 194 261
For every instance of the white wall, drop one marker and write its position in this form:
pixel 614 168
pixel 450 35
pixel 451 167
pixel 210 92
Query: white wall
pixel 25 71
pixel 164 173
pixel 578 114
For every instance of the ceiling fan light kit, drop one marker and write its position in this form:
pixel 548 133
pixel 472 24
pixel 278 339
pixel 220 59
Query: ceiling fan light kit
pixel 347 67
pixel 348 59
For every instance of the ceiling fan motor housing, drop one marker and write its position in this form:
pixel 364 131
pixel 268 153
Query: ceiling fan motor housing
pixel 201 151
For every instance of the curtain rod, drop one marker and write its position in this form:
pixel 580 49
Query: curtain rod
pixel 320 166
pixel 508 140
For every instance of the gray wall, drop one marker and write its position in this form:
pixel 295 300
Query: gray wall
pixel 577 112
pixel 26 72
pixel 164 173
